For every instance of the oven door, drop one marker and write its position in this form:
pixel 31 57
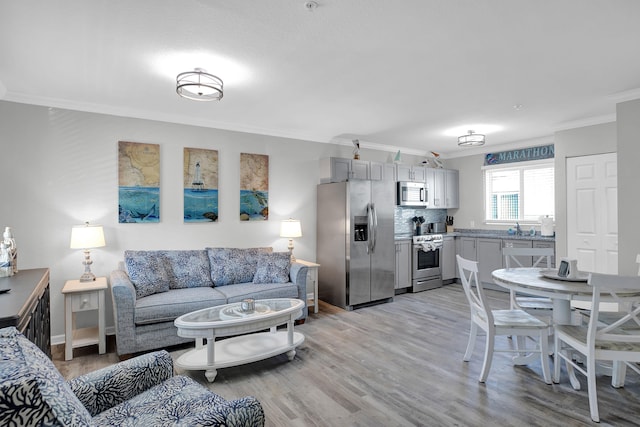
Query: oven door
pixel 425 263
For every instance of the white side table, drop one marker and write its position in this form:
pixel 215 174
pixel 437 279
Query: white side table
pixel 83 296
pixel 312 279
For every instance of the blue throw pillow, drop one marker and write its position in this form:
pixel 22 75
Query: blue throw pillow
pixel 273 268
pixel 147 271
pixel 234 265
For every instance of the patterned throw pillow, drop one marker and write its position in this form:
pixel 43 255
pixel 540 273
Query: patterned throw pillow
pixel 273 268
pixel 234 265
pixel 147 272
pixel 189 268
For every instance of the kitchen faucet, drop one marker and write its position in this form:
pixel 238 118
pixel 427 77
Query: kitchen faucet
pixel 518 229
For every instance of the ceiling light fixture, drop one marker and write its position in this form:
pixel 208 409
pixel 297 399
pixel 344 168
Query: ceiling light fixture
pixel 471 139
pixel 199 85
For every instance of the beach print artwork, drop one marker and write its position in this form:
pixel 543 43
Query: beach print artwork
pixel 254 187
pixel 138 182
pixel 200 185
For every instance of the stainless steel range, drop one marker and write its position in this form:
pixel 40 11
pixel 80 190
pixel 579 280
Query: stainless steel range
pixel 425 264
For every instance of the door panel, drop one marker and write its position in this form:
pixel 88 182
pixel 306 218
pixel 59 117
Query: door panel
pixel 592 206
pixel 358 288
pixel 383 264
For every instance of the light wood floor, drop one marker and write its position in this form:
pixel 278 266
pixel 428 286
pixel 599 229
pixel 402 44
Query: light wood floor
pixel 400 364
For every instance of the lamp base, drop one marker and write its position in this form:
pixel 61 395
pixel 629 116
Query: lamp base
pixel 88 277
pixel 290 247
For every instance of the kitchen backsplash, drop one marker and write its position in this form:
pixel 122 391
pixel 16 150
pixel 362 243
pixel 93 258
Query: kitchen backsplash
pixel 403 224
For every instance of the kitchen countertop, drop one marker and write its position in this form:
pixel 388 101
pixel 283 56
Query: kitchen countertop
pixel 485 234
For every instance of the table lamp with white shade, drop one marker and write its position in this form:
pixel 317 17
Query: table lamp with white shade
pixel 290 228
pixel 87 237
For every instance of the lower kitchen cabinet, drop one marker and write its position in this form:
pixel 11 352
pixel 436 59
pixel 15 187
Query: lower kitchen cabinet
pixel 448 259
pixel 489 257
pixel 538 244
pixel 403 264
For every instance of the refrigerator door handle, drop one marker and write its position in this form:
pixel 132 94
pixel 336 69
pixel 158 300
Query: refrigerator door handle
pixel 374 214
pixel 370 227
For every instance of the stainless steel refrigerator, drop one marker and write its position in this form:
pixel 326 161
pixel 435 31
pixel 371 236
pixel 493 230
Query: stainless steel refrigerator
pixel 355 242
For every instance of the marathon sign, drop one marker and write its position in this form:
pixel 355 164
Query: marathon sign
pixel 520 155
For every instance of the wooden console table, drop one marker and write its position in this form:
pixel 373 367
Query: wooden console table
pixel 27 306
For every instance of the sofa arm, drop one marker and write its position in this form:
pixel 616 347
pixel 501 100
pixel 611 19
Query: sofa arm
pixel 123 295
pixel 244 412
pixel 110 386
pixel 298 275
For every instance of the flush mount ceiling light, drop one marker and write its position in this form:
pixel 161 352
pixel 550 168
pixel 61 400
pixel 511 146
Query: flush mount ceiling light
pixel 471 139
pixel 199 85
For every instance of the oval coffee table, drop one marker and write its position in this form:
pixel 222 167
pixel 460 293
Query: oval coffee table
pixel 244 346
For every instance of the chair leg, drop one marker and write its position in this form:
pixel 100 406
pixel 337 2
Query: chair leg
pixel 544 355
pixel 488 356
pixel 619 374
pixel 473 332
pixel 557 360
pixel 591 389
pixel 521 345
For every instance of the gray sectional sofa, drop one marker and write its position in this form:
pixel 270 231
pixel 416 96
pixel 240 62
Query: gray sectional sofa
pixel 150 289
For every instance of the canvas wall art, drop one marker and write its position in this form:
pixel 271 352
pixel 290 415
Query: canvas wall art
pixel 254 187
pixel 138 182
pixel 200 185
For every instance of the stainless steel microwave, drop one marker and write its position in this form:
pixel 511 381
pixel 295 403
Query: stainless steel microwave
pixel 412 194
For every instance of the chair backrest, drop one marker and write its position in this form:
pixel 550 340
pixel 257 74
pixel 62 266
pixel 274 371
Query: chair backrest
pixel 480 309
pixel 623 290
pixel 514 257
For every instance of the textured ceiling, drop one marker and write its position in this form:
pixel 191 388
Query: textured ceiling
pixel 394 74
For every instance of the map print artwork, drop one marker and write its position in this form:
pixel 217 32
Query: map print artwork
pixel 138 182
pixel 254 187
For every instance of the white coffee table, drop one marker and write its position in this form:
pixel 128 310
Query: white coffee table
pixel 244 347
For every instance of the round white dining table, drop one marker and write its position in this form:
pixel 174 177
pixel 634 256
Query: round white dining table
pixel 530 281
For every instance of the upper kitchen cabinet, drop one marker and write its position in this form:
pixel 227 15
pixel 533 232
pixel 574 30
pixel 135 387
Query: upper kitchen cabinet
pixel 442 186
pixel 337 169
pixel 411 173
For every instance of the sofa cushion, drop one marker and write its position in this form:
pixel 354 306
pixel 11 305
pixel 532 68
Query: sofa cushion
pixel 147 271
pixel 233 265
pixel 240 291
pixel 168 306
pixel 189 268
pixel 273 267
pixel 31 388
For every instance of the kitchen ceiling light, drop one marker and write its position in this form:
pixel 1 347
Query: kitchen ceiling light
pixel 471 139
pixel 199 85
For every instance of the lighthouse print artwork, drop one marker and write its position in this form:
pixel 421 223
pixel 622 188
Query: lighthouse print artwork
pixel 200 185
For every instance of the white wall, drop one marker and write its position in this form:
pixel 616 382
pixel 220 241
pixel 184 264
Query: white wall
pixel 585 141
pixel 59 168
pixel 628 128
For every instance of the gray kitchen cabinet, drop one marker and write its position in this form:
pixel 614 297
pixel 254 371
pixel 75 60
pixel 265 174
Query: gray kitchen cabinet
pixel 337 169
pixel 466 247
pixel 526 262
pixel 489 257
pixel 448 259
pixel 442 187
pixel 382 171
pixel 539 244
pixel 452 193
pixel 403 264
pixel 411 173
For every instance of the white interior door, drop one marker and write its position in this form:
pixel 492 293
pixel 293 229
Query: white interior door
pixel 592 212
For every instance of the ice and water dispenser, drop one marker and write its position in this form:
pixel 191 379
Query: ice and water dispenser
pixel 360 229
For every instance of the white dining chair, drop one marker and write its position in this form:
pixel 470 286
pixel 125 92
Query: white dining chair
pixel 618 342
pixel 494 323
pixel 540 257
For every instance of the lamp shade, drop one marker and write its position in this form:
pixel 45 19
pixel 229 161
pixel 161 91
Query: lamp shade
pixel 87 236
pixel 290 228
pixel 471 139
